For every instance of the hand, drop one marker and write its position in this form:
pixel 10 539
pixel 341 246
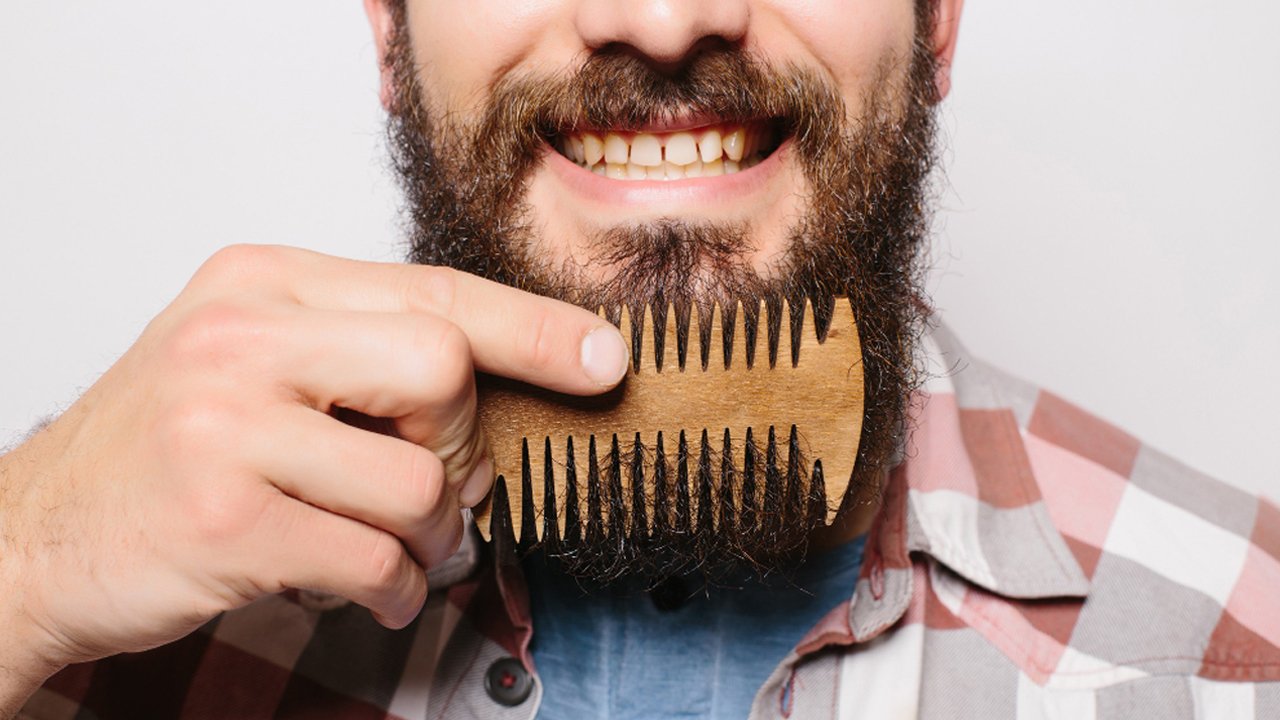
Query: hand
pixel 205 468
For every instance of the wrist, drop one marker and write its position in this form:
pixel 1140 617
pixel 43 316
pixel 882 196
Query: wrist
pixel 23 669
pixel 25 663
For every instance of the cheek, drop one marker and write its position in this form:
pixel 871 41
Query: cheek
pixel 848 38
pixel 463 46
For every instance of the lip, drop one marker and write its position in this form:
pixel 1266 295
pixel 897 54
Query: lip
pixel 683 123
pixel 658 193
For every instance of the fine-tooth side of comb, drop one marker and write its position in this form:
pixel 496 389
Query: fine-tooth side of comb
pixel 681 443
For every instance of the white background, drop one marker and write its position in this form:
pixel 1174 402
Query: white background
pixel 1109 230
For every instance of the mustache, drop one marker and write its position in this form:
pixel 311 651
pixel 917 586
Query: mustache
pixel 614 89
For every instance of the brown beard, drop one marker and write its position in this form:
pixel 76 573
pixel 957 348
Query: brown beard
pixel 861 236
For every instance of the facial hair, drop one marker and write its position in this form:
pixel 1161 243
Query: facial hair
pixel 861 235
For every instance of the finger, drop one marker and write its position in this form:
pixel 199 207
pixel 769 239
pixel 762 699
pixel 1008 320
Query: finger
pixel 382 481
pixel 513 333
pixel 415 368
pixel 318 550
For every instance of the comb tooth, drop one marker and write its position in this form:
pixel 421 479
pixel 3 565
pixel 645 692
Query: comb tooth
pixel 750 325
pixel 646 362
pixel 550 519
pixel 633 331
pixel 500 523
pixel 658 312
pixel 749 454
pixel 661 499
pixel 706 522
pixel 775 327
pixel 595 514
pixel 792 505
pixel 726 524
pixel 525 526
pixel 772 483
pixel 706 318
pixel 797 317
pixel 682 332
pixel 639 515
pixel 728 332
pixel 818 511
pixel 683 512
pixel 823 311
pixel 613 313
pixel 617 511
pixel 784 334
pixel 572 531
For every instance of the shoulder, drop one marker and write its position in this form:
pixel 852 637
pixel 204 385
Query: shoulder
pixel 1182 568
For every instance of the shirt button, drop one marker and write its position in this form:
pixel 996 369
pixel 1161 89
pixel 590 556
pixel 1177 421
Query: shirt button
pixel 507 682
pixel 670 594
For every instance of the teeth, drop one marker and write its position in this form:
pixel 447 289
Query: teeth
pixel 646 150
pixel 733 143
pixel 709 152
pixel 709 145
pixel 592 148
pixel 682 148
pixel 616 149
pixel 575 149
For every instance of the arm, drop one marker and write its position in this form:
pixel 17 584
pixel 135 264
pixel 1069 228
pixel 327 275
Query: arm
pixel 206 467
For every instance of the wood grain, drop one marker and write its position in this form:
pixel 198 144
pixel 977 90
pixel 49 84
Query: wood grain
pixel 822 395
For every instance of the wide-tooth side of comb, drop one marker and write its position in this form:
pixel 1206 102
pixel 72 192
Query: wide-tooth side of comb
pixel 677 446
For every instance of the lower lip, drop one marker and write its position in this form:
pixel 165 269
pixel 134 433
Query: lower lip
pixel 720 188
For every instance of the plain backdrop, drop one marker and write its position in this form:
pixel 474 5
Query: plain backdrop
pixel 1108 229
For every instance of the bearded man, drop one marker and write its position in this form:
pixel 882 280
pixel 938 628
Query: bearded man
pixel 297 436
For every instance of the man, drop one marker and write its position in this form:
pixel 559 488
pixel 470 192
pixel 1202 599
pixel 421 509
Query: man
pixel 206 471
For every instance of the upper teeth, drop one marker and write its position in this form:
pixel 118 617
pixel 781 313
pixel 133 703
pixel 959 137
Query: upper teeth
pixel 666 156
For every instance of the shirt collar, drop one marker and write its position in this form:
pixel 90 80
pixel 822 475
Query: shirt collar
pixel 972 500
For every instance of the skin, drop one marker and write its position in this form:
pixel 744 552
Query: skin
pixel 205 466
pixel 459 61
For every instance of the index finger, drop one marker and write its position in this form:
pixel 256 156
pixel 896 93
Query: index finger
pixel 513 333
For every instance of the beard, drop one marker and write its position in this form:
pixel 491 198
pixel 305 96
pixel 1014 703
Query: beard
pixel 861 236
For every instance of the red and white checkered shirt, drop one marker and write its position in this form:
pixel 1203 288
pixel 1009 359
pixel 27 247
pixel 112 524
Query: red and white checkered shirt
pixel 1030 561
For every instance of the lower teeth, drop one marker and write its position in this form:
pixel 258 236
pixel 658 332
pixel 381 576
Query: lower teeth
pixel 669 171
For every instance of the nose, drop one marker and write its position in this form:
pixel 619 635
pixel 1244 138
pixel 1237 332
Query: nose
pixel 665 32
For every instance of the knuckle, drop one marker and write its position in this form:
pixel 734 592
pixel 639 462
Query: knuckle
pixel 237 263
pixel 452 357
pixel 433 344
pixel 422 475
pixel 451 542
pixel 194 428
pixel 432 288
pixel 215 332
pixel 223 513
pixel 439 359
pixel 385 560
pixel 537 343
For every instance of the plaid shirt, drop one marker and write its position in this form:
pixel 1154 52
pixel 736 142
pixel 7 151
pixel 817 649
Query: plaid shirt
pixel 1029 561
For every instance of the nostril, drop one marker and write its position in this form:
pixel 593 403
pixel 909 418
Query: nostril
pixel 664 33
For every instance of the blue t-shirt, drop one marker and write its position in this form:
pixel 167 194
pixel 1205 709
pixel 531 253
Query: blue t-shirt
pixel 684 650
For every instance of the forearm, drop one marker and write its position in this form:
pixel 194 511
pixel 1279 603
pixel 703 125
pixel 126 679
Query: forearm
pixel 15 689
pixel 22 667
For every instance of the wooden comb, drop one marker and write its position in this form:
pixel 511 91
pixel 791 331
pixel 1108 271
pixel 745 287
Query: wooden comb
pixel 560 459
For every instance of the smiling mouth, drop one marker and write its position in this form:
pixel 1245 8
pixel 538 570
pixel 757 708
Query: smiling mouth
pixel 706 151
